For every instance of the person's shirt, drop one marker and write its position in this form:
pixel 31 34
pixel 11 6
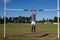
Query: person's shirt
pixel 33 17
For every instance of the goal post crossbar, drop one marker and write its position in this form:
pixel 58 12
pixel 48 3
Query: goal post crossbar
pixel 32 9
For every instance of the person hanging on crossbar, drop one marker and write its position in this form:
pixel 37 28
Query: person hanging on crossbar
pixel 33 20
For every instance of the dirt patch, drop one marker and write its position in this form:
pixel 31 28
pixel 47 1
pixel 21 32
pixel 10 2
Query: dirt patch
pixel 26 33
pixel 38 34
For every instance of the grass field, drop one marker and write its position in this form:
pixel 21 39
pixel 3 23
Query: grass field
pixel 19 31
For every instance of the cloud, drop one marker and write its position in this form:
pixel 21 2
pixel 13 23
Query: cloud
pixel 4 0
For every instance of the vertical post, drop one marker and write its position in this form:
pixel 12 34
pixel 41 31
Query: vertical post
pixel 4 22
pixel 58 15
pixel 4 18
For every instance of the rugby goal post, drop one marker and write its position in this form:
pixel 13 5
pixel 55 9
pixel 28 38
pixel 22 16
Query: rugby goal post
pixel 5 9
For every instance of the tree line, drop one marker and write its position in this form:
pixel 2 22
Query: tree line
pixel 22 19
pixel 54 20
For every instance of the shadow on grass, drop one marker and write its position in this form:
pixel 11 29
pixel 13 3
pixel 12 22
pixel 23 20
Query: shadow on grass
pixel 43 35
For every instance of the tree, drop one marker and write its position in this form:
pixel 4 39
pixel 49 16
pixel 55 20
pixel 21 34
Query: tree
pixel 28 19
pixel 10 20
pixel 23 19
pixel 6 19
pixel 20 19
pixel 55 19
pixel 43 20
pixel 1 20
pixel 50 20
pixel 59 19
pixel 15 19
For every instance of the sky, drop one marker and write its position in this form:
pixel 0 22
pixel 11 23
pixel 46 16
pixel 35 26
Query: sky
pixel 29 4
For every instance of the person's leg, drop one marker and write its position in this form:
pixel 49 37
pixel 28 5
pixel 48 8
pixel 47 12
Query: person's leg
pixel 34 28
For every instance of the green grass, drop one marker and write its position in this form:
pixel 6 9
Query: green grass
pixel 42 27
pixel 24 28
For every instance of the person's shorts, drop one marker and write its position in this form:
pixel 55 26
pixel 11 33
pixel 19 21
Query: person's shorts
pixel 33 23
